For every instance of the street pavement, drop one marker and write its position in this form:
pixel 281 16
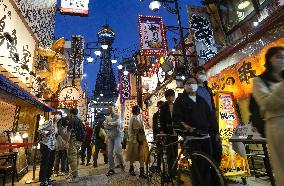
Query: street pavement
pixel 90 176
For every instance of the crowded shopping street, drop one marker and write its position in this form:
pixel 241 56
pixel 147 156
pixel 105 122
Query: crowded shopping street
pixel 142 92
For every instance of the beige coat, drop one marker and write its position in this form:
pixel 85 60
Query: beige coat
pixel 136 151
pixel 271 103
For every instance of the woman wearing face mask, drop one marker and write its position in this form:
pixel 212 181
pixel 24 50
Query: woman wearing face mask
pixel 271 101
pixel 191 111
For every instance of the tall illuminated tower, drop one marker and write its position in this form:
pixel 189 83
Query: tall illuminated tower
pixel 105 82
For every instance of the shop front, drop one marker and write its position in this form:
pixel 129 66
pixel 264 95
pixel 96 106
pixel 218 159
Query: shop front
pixel 20 109
pixel 231 74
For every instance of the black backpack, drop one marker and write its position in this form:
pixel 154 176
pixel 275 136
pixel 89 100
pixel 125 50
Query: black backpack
pixel 256 117
pixel 79 130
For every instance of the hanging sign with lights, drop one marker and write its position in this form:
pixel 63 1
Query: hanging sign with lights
pixel 17 45
pixel 125 87
pixel 69 97
pixel 203 34
pixel 75 7
pixel 152 36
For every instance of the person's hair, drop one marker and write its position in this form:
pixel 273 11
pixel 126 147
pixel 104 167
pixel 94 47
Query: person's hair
pixel 198 69
pixel 268 73
pixel 64 121
pixel 159 103
pixel 189 77
pixel 169 92
pixel 74 111
pixel 135 110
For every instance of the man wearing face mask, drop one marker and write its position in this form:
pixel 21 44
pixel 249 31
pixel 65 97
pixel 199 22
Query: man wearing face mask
pixel 191 111
pixel 166 112
pixel 206 93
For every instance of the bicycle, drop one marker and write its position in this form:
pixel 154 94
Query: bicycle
pixel 159 173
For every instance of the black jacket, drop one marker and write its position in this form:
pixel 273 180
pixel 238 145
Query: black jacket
pixel 196 114
pixel 156 123
pixel 166 118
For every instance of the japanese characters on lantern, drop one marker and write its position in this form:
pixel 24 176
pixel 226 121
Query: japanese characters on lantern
pixel 152 36
pixel 69 97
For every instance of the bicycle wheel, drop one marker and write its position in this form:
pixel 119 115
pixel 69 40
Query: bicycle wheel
pixel 215 173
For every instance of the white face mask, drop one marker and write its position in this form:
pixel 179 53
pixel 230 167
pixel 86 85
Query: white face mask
pixel 190 88
pixel 202 78
pixel 194 87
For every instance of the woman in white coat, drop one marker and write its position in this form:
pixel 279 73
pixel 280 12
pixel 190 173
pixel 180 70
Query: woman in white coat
pixel 271 102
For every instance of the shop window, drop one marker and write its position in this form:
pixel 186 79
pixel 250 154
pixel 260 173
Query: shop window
pixel 234 12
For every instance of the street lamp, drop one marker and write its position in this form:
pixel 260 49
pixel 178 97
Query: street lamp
pixel 101 95
pixel 98 53
pixel 105 47
pixel 119 67
pixel 125 72
pixel 114 61
pixel 90 59
pixel 155 5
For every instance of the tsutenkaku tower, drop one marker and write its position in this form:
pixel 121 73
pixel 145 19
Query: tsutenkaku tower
pixel 105 82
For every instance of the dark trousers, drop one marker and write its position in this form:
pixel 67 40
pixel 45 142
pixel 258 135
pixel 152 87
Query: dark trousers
pixel 217 156
pixel 61 158
pixel 102 149
pixel 200 168
pixel 172 154
pixel 84 147
pixel 47 162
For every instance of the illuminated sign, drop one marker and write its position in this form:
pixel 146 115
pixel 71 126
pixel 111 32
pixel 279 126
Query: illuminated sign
pixel 17 45
pixel 152 36
pixel 125 87
pixel 69 97
pixel 232 163
pixel 75 6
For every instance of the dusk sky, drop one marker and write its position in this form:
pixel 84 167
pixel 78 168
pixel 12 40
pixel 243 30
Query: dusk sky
pixel 122 16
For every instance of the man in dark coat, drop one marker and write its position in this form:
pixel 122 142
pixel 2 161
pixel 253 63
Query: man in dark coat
pixel 192 111
pixel 166 111
pixel 156 121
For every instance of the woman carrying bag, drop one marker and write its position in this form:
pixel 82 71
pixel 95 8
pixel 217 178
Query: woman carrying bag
pixel 137 144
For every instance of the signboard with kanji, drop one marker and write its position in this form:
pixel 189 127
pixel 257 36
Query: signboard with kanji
pixel 128 110
pixel 69 97
pixel 17 45
pixel 203 34
pixel 232 163
pixel 125 87
pixel 152 36
pixel 75 6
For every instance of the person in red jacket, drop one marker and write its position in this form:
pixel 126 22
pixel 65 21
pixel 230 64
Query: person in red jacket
pixel 87 145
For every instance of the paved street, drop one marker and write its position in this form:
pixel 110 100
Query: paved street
pixel 90 176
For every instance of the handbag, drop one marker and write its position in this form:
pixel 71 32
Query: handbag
pixel 102 134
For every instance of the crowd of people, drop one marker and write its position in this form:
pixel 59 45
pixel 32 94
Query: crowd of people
pixel 61 139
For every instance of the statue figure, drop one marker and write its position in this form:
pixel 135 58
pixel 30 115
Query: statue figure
pixel 57 68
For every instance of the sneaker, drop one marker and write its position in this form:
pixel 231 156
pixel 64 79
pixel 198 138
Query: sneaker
pixel 88 164
pixel 73 179
pixel 110 173
pixel 55 175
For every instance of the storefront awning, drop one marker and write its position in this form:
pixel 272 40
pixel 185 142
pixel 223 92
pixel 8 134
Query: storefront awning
pixel 14 89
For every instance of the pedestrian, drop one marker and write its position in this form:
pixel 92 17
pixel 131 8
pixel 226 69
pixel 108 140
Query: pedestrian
pixel 114 131
pixel 206 93
pixel 47 149
pixel 99 139
pixel 86 145
pixel 156 121
pixel 268 91
pixel 166 112
pixel 192 111
pixel 61 151
pixel 75 136
pixel 136 142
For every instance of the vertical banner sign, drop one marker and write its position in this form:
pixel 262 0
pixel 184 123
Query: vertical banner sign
pixel 232 164
pixel 76 57
pixel 75 6
pixel 152 36
pixel 125 88
pixel 200 26
pixel 128 110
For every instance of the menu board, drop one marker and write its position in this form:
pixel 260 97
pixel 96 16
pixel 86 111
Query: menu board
pixel 232 164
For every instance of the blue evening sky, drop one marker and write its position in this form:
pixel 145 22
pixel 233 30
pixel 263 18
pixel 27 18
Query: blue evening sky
pixel 122 16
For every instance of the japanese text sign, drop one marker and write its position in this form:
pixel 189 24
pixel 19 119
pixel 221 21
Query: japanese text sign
pixel 152 36
pixel 232 163
pixel 125 87
pixel 203 34
pixel 128 110
pixel 75 6
pixel 17 44
pixel 69 97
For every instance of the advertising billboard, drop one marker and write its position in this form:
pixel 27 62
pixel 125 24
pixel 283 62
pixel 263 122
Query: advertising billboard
pixel 75 7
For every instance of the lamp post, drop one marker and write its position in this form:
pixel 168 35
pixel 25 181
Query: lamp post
pixel 156 4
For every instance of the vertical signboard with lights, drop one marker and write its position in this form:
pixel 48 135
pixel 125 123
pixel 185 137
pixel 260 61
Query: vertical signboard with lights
pixel 201 28
pixel 80 7
pixel 152 36
pixel 125 87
